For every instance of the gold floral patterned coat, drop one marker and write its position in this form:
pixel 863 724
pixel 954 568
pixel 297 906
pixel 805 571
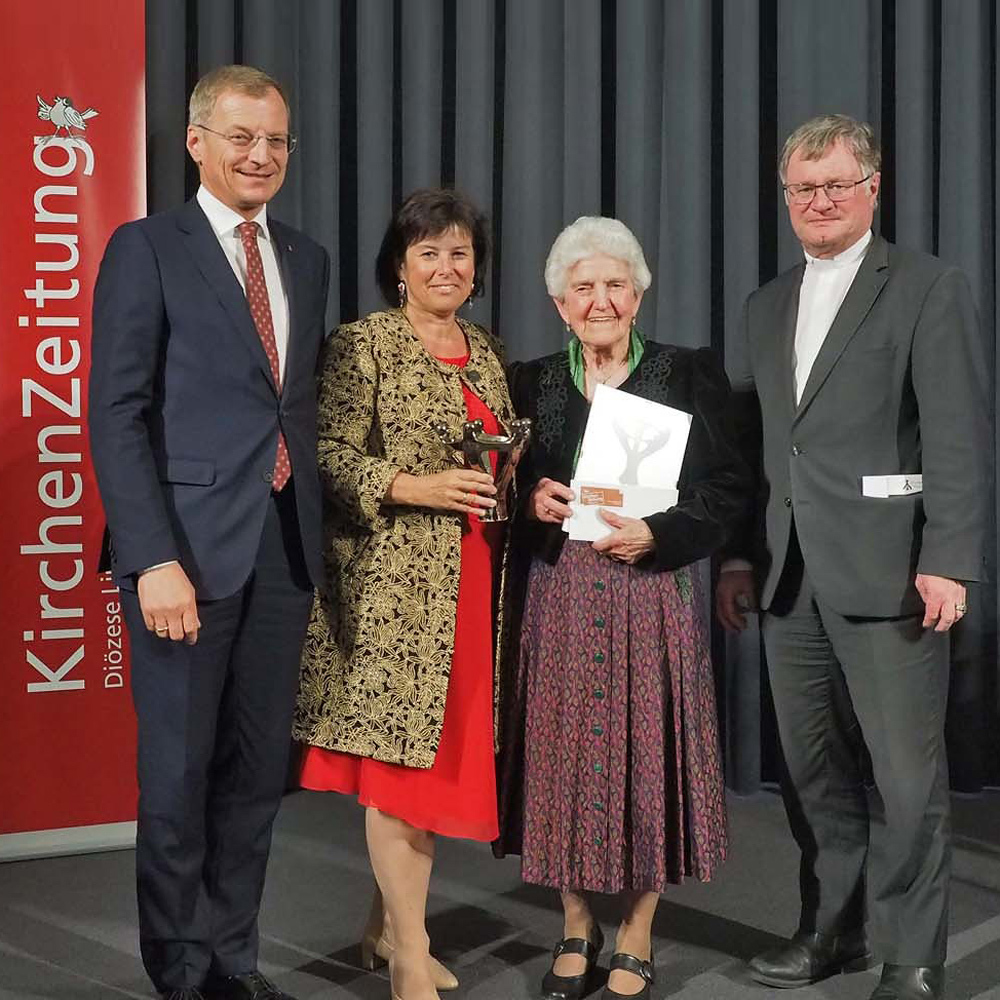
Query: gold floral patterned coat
pixel 378 650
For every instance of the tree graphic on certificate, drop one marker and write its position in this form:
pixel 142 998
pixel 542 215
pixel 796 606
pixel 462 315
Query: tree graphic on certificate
pixel 630 460
pixel 639 441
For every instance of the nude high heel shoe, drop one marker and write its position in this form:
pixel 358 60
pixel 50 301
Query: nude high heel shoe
pixel 376 949
pixel 392 980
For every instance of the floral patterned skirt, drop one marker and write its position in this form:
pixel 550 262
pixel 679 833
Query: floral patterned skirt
pixel 622 782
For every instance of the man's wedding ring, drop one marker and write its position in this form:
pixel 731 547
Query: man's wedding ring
pixel 161 630
pixel 960 609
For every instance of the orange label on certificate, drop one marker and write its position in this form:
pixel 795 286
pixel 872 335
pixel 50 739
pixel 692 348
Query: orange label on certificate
pixel 603 496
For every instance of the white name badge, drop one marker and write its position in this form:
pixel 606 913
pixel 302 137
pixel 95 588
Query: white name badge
pixel 892 486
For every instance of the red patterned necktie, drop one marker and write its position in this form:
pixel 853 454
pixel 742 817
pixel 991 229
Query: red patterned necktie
pixel 260 310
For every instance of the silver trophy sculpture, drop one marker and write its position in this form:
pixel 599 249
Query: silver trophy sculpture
pixel 475 446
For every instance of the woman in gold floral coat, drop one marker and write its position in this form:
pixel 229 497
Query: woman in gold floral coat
pixel 397 701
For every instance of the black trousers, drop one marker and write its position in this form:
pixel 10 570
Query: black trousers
pixel 214 724
pixel 850 693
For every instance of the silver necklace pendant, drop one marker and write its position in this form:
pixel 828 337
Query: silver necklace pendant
pixel 607 378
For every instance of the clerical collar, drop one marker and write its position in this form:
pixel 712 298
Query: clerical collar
pixel 845 258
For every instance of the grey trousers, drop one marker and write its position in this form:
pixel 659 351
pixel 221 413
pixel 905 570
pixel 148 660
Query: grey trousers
pixel 849 692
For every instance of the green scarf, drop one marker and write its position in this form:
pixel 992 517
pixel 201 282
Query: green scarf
pixel 636 346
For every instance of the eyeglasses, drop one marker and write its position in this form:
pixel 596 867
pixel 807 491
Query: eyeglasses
pixel 803 194
pixel 244 140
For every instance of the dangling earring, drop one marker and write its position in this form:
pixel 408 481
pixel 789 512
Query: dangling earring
pixel 472 294
pixel 401 288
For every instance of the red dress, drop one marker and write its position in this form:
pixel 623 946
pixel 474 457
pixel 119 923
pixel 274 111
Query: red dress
pixel 457 796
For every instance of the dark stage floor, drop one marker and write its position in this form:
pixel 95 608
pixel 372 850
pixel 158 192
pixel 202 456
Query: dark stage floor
pixel 67 925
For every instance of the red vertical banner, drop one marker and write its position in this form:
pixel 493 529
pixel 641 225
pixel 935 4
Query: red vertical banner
pixel 73 112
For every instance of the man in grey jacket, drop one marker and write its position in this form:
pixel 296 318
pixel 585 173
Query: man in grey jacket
pixel 865 402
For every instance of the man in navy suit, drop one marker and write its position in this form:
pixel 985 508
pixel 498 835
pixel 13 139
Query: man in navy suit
pixel 208 321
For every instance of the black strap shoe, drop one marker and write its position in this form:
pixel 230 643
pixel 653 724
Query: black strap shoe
pixel 808 958
pixel 250 986
pixel 910 982
pixel 629 963
pixel 573 987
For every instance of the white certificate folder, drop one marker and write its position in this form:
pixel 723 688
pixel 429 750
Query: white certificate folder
pixel 630 461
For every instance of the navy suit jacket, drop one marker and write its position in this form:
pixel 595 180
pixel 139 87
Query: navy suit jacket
pixel 184 412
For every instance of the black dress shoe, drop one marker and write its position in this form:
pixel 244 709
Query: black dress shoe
pixel 185 993
pixel 250 986
pixel 645 970
pixel 573 987
pixel 808 958
pixel 910 982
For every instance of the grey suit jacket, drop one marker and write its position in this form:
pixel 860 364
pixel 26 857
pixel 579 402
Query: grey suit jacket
pixel 900 385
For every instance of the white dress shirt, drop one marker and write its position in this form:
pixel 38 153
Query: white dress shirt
pixel 224 222
pixel 823 290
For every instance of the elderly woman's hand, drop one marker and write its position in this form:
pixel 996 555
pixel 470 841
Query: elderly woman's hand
pixel 463 490
pixel 629 542
pixel 549 501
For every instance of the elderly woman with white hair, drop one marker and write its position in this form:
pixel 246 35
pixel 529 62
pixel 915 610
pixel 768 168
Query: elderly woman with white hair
pixel 610 763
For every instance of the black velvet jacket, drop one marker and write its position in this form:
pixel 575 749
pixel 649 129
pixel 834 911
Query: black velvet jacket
pixel 714 486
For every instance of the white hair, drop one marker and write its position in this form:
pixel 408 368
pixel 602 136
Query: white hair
pixel 588 236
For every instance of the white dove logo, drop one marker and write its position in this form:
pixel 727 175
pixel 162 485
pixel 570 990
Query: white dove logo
pixel 63 115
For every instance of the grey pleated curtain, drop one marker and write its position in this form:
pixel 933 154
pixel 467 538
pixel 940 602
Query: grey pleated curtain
pixel 666 113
